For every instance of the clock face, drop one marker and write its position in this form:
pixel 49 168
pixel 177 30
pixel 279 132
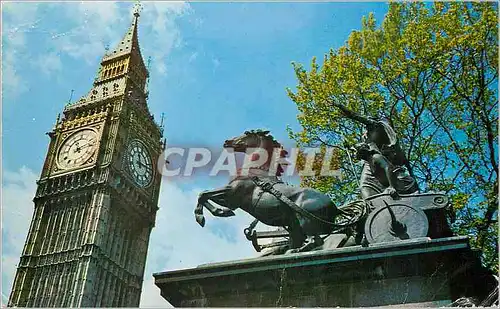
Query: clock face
pixel 139 163
pixel 77 149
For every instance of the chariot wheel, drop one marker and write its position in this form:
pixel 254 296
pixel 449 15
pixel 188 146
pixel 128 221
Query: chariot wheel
pixel 396 222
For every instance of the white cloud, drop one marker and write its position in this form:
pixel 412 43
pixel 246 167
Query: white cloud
pixel 193 57
pixel 158 18
pixel 102 23
pixel 82 31
pixel 177 241
pixel 18 190
pixel 215 63
pixel 49 64
pixel 93 26
pixel 18 19
pixel 12 83
pixel 17 206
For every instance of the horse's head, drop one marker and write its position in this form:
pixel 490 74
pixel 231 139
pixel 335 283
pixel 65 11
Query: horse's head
pixel 249 139
pixel 258 139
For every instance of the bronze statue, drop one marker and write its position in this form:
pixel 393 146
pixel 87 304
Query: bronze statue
pixel 385 162
pixel 304 212
pixel 388 211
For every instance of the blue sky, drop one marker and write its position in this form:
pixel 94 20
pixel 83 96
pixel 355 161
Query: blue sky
pixel 217 69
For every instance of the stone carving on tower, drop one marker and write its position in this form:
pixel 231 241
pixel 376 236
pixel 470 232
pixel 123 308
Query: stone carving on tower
pixel 97 196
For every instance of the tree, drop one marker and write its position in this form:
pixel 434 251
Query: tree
pixel 432 71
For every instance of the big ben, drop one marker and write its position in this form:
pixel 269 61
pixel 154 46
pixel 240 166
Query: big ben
pixel 96 199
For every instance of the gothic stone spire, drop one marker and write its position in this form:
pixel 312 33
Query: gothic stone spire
pixel 121 69
pixel 130 42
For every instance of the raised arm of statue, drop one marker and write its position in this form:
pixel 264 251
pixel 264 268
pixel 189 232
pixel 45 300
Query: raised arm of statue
pixel 354 116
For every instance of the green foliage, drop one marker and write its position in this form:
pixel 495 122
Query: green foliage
pixel 432 70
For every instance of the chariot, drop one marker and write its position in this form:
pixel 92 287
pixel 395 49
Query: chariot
pixel 391 207
pixel 379 218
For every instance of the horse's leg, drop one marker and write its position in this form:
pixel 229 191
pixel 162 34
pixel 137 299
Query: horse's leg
pixel 198 214
pixel 218 211
pixel 205 196
pixel 219 198
pixel 203 202
pixel 297 236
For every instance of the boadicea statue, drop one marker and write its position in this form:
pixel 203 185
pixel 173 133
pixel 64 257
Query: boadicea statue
pixel 385 161
pixel 391 207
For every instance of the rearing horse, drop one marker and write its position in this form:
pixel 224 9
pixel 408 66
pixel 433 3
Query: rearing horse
pixel 245 191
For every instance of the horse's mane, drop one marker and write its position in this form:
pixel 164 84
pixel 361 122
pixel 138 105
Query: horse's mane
pixel 265 134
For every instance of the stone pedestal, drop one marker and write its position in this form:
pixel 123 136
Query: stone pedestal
pixel 418 272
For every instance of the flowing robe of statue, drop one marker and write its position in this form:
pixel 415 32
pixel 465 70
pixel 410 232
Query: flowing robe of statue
pixel 385 161
pixel 371 182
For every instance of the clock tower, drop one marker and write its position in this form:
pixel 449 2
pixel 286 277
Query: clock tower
pixel 97 196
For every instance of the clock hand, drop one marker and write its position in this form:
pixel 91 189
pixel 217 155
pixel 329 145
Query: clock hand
pixel 145 159
pixel 137 158
pixel 79 147
pixel 88 143
pixel 139 162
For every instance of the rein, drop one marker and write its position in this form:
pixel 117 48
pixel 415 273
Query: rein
pixel 269 187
